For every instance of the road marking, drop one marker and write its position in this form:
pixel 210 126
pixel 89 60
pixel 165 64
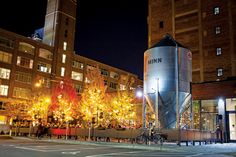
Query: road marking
pixel 43 150
pixel 73 153
pixel 194 155
pixel 117 154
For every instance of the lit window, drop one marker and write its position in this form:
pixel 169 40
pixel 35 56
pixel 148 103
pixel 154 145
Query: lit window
pixel 63 71
pixel 87 80
pixel 113 85
pixel 43 67
pixel 63 58
pixel 114 75
pixel 78 65
pixel 27 48
pixel 23 77
pixel 45 54
pixel 218 51
pixel 21 92
pixel 76 76
pixel 78 88
pixel 122 87
pixel 5 73
pixel 219 72
pixel 24 62
pixel 217 30
pixel 64 46
pixel 4 90
pixel 104 72
pixel 216 10
pixel 2 106
pixel 5 57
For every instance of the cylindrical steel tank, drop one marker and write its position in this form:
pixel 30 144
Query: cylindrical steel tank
pixel 168 70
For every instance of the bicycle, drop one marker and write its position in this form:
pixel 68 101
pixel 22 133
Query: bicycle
pixel 152 136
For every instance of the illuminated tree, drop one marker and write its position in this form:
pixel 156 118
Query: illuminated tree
pixel 16 109
pixel 93 101
pixel 64 104
pixel 196 115
pixel 39 108
pixel 123 110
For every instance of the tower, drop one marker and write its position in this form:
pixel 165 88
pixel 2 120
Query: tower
pixel 59 32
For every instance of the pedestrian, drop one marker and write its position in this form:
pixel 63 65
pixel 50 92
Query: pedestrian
pixel 40 130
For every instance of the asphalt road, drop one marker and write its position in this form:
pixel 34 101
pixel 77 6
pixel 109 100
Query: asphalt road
pixel 37 148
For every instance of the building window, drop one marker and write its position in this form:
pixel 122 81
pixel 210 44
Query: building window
pixel 113 85
pixel 161 24
pixel 43 67
pixel 66 33
pixel 105 82
pixel 64 46
pixel 24 62
pixel 63 71
pixel 104 72
pixel 218 51
pixel 4 90
pixel 114 75
pixel 43 53
pixel 27 48
pixel 216 10
pixel 76 76
pixel 2 105
pixel 78 88
pixel 4 42
pixel 67 21
pixel 63 60
pixel 87 80
pixel 5 73
pixel 122 87
pixel 208 112
pixel 21 93
pixel 78 65
pixel 23 77
pixel 219 72
pixel 217 30
pixel 46 82
pixel 90 67
pixel 5 57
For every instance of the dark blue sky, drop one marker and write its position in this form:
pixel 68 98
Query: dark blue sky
pixel 113 32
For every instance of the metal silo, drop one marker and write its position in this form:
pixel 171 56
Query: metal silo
pixel 167 77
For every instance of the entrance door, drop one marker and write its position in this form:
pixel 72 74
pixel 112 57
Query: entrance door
pixel 231 126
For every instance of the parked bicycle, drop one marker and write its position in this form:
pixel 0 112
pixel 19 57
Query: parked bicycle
pixel 150 136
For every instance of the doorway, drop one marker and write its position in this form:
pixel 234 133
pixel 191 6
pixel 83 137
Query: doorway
pixel 231 125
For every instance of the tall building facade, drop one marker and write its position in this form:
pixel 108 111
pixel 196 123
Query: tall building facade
pixel 206 27
pixel 25 61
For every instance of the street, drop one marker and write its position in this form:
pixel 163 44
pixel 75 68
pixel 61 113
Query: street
pixel 37 148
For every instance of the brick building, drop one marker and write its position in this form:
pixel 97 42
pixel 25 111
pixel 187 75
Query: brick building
pixel 207 28
pixel 26 61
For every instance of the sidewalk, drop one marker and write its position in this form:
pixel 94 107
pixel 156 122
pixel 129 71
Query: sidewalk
pixel 171 147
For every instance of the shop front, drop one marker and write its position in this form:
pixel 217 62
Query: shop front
pixel 214 108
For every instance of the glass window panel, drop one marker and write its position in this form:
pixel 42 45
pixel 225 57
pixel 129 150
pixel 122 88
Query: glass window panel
pixel 43 53
pixel 27 48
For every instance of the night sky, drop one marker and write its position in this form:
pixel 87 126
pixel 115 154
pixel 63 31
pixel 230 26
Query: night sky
pixel 113 32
